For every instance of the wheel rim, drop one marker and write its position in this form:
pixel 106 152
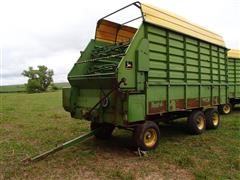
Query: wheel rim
pixel 150 137
pixel 200 122
pixel 226 109
pixel 215 119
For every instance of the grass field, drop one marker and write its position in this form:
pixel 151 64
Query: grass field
pixel 12 88
pixel 33 123
pixel 21 87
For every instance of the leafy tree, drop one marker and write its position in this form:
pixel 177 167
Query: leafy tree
pixel 38 79
pixel 54 87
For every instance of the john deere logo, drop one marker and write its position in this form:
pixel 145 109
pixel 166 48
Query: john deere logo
pixel 128 65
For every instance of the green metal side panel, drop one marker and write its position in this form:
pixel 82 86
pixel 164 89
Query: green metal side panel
pixel 234 78
pixel 66 93
pixel 142 64
pixel 131 57
pixel 82 100
pixel 143 56
pixel 85 99
pixel 136 107
pixel 184 72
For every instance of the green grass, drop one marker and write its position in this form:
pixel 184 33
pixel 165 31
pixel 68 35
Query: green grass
pixel 21 87
pixel 33 123
pixel 12 88
pixel 61 85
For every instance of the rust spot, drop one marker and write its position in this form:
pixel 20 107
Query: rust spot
pixel 161 106
pixel 180 104
pixel 193 103
pixel 157 107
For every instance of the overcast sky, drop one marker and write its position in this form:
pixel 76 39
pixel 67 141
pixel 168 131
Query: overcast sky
pixel 52 32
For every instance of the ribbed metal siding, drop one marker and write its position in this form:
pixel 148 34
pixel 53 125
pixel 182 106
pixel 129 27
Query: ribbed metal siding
pixel 234 77
pixel 180 64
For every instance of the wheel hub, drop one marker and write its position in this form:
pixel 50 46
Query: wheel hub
pixel 215 119
pixel 200 123
pixel 226 109
pixel 150 137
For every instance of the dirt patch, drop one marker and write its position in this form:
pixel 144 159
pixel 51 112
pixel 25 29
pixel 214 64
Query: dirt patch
pixel 124 164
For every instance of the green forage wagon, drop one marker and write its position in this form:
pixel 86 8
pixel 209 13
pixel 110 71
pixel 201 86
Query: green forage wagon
pixel 133 78
pixel 233 81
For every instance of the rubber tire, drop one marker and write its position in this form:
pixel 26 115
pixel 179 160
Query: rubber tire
pixel 138 135
pixel 221 107
pixel 192 122
pixel 209 118
pixel 105 132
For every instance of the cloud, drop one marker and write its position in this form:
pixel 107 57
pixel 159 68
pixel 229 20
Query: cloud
pixel 53 32
pixel 47 33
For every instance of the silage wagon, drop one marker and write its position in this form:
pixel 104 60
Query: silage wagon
pixel 233 81
pixel 234 76
pixel 133 78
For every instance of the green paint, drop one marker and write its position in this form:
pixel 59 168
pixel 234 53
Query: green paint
pixel 65 145
pixel 136 107
pixel 234 78
pixel 160 67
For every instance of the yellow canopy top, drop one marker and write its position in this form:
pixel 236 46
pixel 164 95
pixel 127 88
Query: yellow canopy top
pixel 111 32
pixel 171 21
pixel 234 53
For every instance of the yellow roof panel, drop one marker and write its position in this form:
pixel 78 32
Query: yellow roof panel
pixel 234 53
pixel 171 21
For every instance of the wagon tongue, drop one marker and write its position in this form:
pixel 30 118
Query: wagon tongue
pixel 65 145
